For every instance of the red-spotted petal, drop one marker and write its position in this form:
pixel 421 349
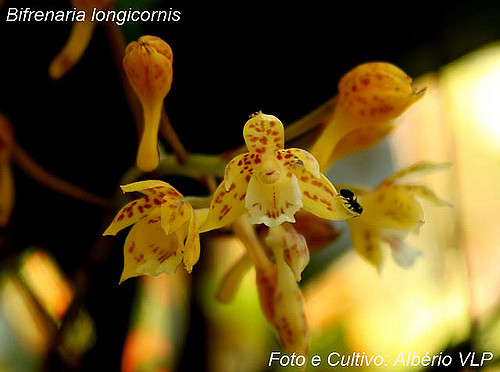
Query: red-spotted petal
pixel 153 188
pixel 174 213
pixel 149 251
pixel 367 243
pixel 192 246
pixel 226 205
pixel 241 168
pixel 320 197
pixel 292 156
pixel 264 134
pixel 273 203
pixel 391 207
pixel 130 214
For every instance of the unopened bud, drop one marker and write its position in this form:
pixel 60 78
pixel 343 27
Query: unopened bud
pixel 266 280
pixel 289 314
pixel 148 65
pixel 293 245
pixel 79 38
pixel 375 92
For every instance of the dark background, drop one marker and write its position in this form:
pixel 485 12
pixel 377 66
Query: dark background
pixel 229 61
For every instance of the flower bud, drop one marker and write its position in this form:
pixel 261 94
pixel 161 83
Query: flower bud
pixel 293 245
pixel 369 97
pixel 375 92
pixel 289 314
pixel 266 280
pixel 148 65
pixel 79 38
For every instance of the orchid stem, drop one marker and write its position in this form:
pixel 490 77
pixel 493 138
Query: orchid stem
pixel 250 240
pixel 44 177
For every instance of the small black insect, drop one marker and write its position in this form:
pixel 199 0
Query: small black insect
pixel 352 203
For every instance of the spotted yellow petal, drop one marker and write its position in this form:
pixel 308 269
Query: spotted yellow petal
pixel 192 246
pixel 320 197
pixel 174 213
pixel 241 168
pixel 366 242
pixel 425 193
pixel 391 207
pixel 273 203
pixel 130 214
pixel 149 251
pixel 264 134
pixel 153 188
pixel 419 168
pixel 294 155
pixel 226 205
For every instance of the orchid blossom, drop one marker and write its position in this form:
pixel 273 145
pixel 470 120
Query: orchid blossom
pixel 390 212
pixel 162 221
pixel 272 183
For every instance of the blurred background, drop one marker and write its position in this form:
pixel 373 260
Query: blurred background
pixel 231 60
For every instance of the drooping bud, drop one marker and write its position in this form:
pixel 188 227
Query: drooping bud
pixel 266 280
pixel 79 38
pixel 374 93
pixel 6 178
pixel 289 313
pixel 370 96
pixel 293 245
pixel 148 65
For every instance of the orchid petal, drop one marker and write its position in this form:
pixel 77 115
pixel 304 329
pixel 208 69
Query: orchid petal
pixel 130 214
pixel 419 168
pixel 366 242
pixel 294 155
pixel 174 214
pixel 273 203
pixel 240 169
pixel 149 251
pixel 264 134
pixel 425 193
pixel 192 246
pixel 153 188
pixel 226 205
pixel 391 207
pixel 403 254
pixel 320 197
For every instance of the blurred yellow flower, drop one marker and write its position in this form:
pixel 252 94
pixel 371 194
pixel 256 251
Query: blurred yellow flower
pixel 6 178
pixel 148 65
pixel 155 244
pixel 79 38
pixel 369 97
pixel 390 212
pixel 272 183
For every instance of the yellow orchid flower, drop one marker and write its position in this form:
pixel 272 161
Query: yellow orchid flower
pixel 390 212
pixel 6 178
pixel 370 97
pixel 148 65
pixel 272 183
pixel 162 221
pixel 79 38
